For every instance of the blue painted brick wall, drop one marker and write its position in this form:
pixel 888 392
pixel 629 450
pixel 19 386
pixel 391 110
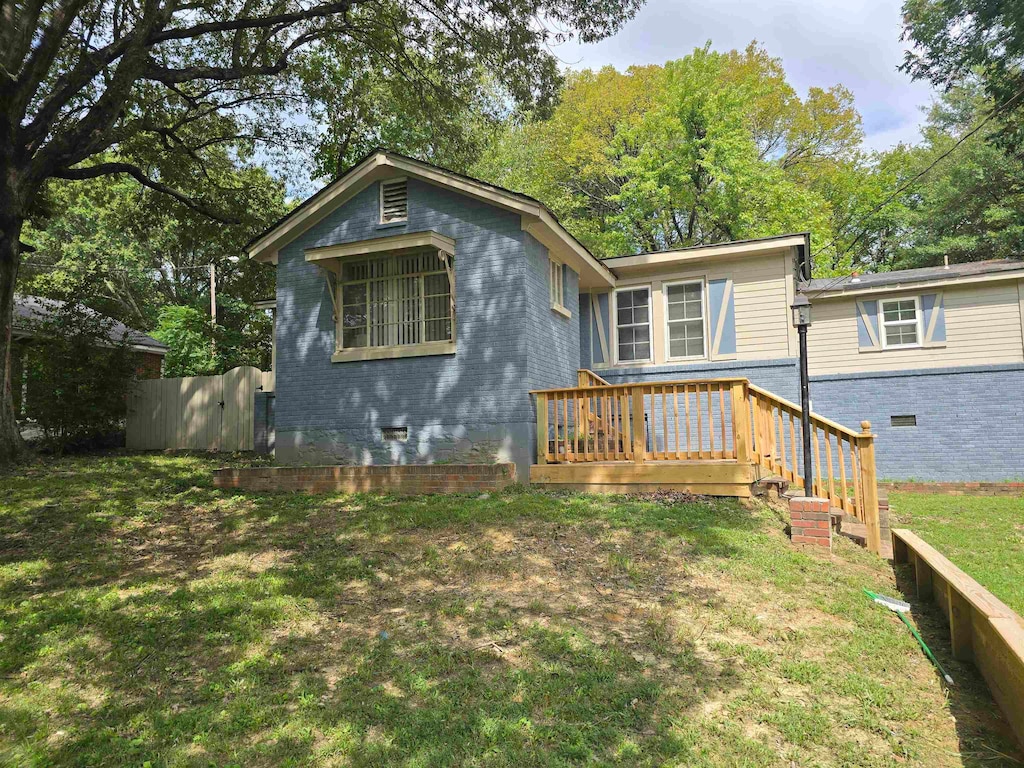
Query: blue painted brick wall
pixel 473 405
pixel 970 421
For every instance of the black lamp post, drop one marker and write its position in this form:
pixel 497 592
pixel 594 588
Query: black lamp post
pixel 802 321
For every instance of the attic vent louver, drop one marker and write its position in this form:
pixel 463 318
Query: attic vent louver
pixel 394 201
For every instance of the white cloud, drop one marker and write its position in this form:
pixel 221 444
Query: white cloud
pixel 853 42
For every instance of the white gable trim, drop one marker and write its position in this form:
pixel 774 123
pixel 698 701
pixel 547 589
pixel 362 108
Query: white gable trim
pixel 536 219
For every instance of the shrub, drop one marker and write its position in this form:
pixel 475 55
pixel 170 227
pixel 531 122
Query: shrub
pixel 79 373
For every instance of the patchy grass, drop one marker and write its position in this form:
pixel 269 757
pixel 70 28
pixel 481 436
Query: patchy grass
pixel 149 619
pixel 983 535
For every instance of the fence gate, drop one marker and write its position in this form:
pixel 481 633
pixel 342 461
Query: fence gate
pixel 204 413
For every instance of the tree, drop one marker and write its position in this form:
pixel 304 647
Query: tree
pixel 957 40
pixel 83 79
pixel 78 374
pixel 708 148
pixel 969 206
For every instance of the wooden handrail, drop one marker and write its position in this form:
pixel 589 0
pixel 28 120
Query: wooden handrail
pixel 795 409
pixel 674 382
pixel 704 420
pixel 587 378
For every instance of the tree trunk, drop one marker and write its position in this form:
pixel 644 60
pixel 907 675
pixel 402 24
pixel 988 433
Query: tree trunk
pixel 11 445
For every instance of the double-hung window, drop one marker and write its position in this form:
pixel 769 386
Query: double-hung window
pixel 633 324
pixel 684 316
pixel 397 301
pixel 556 285
pixel 900 322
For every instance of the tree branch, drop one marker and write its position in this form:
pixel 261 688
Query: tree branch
pixel 109 169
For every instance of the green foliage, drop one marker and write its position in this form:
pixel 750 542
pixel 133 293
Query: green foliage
pixel 189 338
pixel 79 373
pixel 708 148
pixel 968 207
pixel 955 41
pixel 127 251
pixel 196 348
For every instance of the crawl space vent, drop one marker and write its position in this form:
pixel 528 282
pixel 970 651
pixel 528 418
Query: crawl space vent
pixel 903 421
pixel 394 434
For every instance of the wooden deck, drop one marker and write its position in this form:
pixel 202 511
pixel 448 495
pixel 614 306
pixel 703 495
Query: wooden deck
pixel 706 436
pixel 711 477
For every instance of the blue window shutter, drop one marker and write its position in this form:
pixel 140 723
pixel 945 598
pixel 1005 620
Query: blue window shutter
pixel 934 318
pixel 586 331
pixel 867 326
pixel 722 314
pixel 601 330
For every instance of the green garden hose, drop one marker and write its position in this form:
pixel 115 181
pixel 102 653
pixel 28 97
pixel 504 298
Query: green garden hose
pixel 900 608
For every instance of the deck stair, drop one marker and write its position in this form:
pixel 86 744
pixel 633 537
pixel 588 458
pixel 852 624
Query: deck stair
pixel 709 436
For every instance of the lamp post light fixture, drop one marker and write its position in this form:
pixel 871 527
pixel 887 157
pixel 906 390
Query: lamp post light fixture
pixel 801 308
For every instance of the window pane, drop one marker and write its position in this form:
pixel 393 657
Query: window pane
pixel 354 337
pixel 901 334
pixel 904 309
pixel 643 351
pixel 641 333
pixel 353 317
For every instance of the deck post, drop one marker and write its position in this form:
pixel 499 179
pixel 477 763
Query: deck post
pixel 869 485
pixel 542 428
pixel 637 425
pixel 741 434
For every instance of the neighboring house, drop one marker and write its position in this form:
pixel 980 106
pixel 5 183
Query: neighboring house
pixel 30 310
pixel 416 308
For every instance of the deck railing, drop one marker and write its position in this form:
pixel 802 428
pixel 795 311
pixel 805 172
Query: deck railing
pixel 843 460
pixel 726 419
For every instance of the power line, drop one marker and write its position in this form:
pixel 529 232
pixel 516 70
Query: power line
pixel 910 182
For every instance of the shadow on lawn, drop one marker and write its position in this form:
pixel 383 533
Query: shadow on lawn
pixel 985 740
pixel 153 618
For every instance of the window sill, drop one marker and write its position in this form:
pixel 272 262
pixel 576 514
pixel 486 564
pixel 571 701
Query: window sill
pixel 389 353
pixel 561 310
pixel 903 348
pixel 392 224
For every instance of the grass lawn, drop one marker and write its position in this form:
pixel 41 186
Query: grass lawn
pixel 983 535
pixel 147 619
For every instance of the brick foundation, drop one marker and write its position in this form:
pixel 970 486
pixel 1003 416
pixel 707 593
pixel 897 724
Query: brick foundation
pixel 404 479
pixel 958 489
pixel 810 521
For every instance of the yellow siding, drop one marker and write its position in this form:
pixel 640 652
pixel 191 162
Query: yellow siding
pixel 761 305
pixel 983 327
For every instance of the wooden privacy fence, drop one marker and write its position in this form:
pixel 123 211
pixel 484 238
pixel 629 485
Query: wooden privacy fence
pixel 726 419
pixel 205 413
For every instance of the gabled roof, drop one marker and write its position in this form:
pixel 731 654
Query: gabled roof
pixel 993 269
pixel 29 310
pixel 379 164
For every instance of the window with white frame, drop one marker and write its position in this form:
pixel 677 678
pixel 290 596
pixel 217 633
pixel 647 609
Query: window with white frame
pixel 394 201
pixel 556 285
pixel 684 317
pixel 397 300
pixel 900 322
pixel 633 324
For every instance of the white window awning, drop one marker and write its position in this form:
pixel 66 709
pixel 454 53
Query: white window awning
pixel 411 241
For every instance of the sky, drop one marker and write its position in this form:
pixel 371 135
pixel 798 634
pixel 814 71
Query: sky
pixel 821 43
